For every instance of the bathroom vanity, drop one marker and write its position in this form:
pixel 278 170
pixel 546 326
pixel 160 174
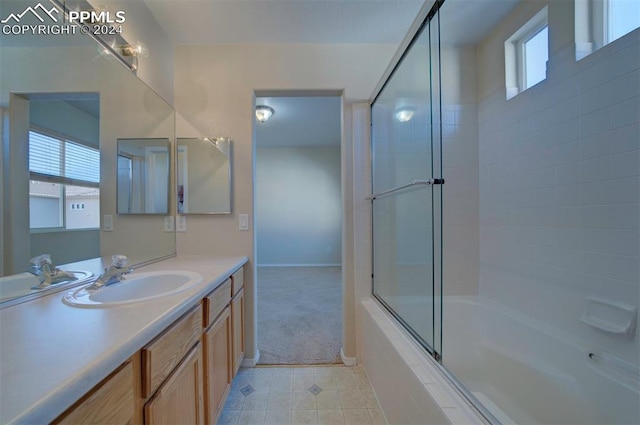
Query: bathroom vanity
pixel 165 360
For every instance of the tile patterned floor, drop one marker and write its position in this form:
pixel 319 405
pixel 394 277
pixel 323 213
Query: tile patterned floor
pixel 336 395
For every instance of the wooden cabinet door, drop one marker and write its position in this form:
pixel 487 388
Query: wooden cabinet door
pixel 179 400
pixel 110 402
pixel 237 322
pixel 218 365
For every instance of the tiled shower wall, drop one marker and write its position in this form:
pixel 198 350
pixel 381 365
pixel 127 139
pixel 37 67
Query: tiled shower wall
pixel 460 234
pixel 559 190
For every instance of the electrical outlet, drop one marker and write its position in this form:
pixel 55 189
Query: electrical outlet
pixel 107 223
pixel 169 224
pixel 181 223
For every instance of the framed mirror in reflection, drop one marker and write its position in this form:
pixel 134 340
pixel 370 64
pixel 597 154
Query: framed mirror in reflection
pixel 204 175
pixel 143 176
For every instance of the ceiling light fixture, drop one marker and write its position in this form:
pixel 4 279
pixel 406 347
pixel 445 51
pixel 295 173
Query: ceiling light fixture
pixel 263 112
pixel 405 113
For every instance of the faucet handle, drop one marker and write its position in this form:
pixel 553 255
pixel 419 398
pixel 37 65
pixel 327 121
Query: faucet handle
pixel 41 260
pixel 119 260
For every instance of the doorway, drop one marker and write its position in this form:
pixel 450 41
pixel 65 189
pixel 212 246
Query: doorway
pixel 298 219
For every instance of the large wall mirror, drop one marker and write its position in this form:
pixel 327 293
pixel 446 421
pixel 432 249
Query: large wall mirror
pixel 64 105
pixel 204 176
pixel 143 176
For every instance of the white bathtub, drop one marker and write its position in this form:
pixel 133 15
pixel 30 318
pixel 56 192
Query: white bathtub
pixel 525 374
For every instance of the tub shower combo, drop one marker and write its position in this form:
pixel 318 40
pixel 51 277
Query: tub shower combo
pixel 505 349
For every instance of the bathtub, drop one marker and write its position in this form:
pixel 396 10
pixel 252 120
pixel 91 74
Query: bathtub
pixel 526 374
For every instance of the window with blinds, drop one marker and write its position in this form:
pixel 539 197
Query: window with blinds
pixel 63 175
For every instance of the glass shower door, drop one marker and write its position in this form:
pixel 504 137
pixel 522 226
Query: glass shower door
pixel 406 186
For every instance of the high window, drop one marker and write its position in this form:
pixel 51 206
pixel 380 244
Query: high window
pixel 600 22
pixel 526 55
pixel 64 175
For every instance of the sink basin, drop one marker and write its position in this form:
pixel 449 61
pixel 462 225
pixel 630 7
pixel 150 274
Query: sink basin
pixel 22 284
pixel 135 288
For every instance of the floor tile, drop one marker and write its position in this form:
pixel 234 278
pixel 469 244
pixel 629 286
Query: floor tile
pixel 303 382
pixel 369 397
pixel 229 417
pixel 326 382
pixel 356 417
pixel 377 417
pixel 303 400
pixel 350 399
pixel 280 400
pixel 315 389
pixel 278 417
pixel 304 417
pixel 362 380
pixel 346 382
pixel 235 400
pixel 328 400
pixel 332 395
pixel 257 400
pixel 330 417
pixel 252 417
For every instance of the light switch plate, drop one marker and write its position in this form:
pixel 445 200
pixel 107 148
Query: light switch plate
pixel 107 223
pixel 243 221
pixel 181 223
pixel 169 224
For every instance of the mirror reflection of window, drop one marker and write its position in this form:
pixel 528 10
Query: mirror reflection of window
pixel 63 174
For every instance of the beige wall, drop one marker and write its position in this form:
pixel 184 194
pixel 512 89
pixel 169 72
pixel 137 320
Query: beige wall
pixel 215 91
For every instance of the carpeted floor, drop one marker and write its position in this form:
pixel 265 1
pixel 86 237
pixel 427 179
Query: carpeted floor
pixel 299 315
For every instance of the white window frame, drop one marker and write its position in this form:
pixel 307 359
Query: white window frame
pixel 63 181
pixel 514 53
pixel 591 26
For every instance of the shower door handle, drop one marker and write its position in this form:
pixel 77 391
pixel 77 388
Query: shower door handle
pixel 437 181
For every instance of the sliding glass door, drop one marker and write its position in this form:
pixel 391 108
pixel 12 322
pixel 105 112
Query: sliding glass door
pixel 406 187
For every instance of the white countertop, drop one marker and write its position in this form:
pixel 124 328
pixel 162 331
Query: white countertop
pixel 51 354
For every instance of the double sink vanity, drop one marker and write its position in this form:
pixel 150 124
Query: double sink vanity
pixel 162 346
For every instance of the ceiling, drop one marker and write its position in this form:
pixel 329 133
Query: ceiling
pixel 284 21
pixel 300 121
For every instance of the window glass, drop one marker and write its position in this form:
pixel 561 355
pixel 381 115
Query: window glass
pixel 64 187
pixel 624 17
pixel 536 54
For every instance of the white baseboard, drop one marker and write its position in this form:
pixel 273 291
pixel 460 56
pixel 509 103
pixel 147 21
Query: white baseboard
pixel 248 362
pixel 348 361
pixel 302 265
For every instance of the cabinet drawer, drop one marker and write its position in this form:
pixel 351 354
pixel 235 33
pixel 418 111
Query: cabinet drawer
pixel 237 281
pixel 216 301
pixel 111 402
pixel 163 354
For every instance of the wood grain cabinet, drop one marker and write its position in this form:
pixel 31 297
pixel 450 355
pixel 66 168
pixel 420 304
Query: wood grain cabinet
pixel 110 402
pixel 172 373
pixel 218 372
pixel 183 376
pixel 180 399
pixel 237 319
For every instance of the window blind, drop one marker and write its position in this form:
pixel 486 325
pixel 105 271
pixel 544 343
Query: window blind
pixel 63 160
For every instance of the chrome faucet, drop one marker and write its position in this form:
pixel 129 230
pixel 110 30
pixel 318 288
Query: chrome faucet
pixel 47 273
pixel 115 273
